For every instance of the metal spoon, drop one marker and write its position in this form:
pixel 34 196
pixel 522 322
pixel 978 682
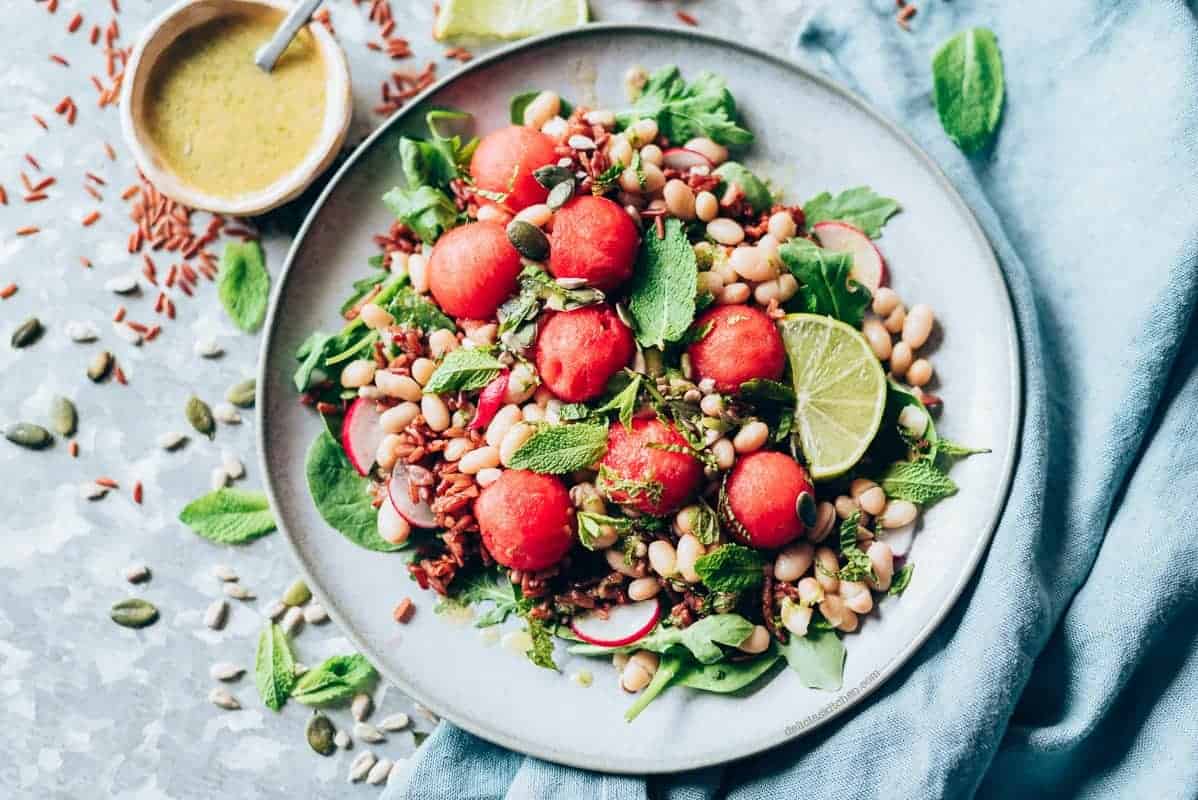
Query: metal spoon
pixel 269 53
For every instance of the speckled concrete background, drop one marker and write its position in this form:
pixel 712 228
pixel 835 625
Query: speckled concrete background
pixel 90 709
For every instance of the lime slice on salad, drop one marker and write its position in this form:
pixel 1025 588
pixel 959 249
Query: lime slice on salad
pixel 840 389
pixel 507 19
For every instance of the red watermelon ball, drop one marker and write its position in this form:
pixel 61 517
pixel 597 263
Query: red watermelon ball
pixel 743 344
pixel 473 269
pixel 593 239
pixel 761 503
pixel 578 351
pixel 671 477
pixel 526 519
pixel 504 162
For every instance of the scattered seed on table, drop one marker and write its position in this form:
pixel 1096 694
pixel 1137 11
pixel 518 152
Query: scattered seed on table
pixel 122 284
pixel 128 334
pixel 361 706
pixel 100 366
pixel 216 615
pixel 232 465
pixel 379 772
pixel 342 740
pixel 200 416
pixel 171 440
pixel 8 291
pixel 242 394
pixel 63 416
pixel 225 671
pixel 361 765
pixel 314 614
pixel 134 613
pixel 107 483
pixel 219 478
pixel 291 620
pixel 221 697
pixel 320 734
pixel 237 591
pixel 396 772
pixel 208 348
pixel 137 573
pixel 299 669
pixel 224 572
pixel 276 609
pixel 367 732
pixel 138 492
pixel 81 331
pixel 73 448
pixel 27 333
pixel 297 593
pixel 227 413
pixel 395 722
pixel 26 434
pixel 403 612
pixel 92 491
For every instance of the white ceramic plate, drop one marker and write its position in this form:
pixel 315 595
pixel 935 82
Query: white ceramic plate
pixel 811 135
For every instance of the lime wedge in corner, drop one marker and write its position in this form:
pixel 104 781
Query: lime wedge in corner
pixel 507 19
pixel 840 390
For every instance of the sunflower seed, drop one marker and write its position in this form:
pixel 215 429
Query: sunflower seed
pixel 361 765
pixel 216 614
pixel 81 331
pixel 297 593
pixel 200 416
pixel 208 348
pixel 26 434
pixel 232 465
pixel 220 696
pixel 580 142
pixel 219 479
pixel 367 732
pixel 292 620
pixel 276 610
pixel 571 283
pixel 560 195
pixel 342 740
pixel 63 415
pixel 128 334
pixel 314 614
pixel 122 284
pixel 227 413
pixel 134 613
pixel 395 722
pixel 320 734
pixel 242 394
pixel 137 573
pixel 171 440
pixel 224 671
pixel 100 366
pixel 379 772
pixel 92 491
pixel 27 333
pixel 528 239
pixel 299 669
pixel 237 591
pixel 396 773
pixel 223 572
pixel 361 706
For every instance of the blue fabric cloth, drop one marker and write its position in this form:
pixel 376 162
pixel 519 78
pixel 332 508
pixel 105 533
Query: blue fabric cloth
pixel 1069 667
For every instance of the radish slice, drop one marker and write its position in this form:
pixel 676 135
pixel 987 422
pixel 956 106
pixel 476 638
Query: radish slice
pixel 418 514
pixel 361 434
pixel 489 402
pixel 623 624
pixel 683 159
pixel 869 268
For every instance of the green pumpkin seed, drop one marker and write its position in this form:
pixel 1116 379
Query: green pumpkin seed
pixel 200 416
pixel 242 394
pixel 297 593
pixel 551 175
pixel 320 734
pixel 26 434
pixel 528 239
pixel 560 194
pixel 27 333
pixel 100 366
pixel 134 613
pixel 63 415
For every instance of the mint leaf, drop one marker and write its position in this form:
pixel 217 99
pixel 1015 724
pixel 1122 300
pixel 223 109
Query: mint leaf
pixel 428 211
pixel 624 402
pixel 342 496
pixel 463 370
pixel 338 678
pixel 229 516
pixel 967 78
pixel 763 390
pixel 274 667
pixel 706 525
pixel 662 295
pixel 921 482
pixel 826 287
pixel 683 111
pixel 412 310
pixel 590 526
pixel 557 449
pixel 953 449
pixel 757 194
pixel 818 658
pixel 244 284
pixel 730 568
pixel 860 207
pixel 901 580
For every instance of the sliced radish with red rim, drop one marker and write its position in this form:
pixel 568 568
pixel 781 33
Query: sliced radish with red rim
pixel 490 400
pixel 417 513
pixel 622 624
pixel 361 434
pixel 682 159
pixel 869 268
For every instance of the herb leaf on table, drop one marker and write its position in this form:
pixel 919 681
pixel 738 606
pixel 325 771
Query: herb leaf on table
pixel 244 284
pixel 341 495
pixel 337 679
pixel 229 516
pixel 274 667
pixel 968 84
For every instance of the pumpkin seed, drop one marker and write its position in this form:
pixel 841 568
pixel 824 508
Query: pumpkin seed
pixel 26 434
pixel 551 175
pixel 342 740
pixel 134 613
pixel 297 593
pixel 320 734
pixel 314 614
pixel 528 239
pixel 171 440
pixel 137 573
pixel 367 732
pixel 361 706
pixel 222 698
pixel 242 394
pixel 200 416
pixel 224 671
pixel 395 722
pixel 63 415
pixel 361 765
pixel 27 333
pixel 559 195
pixel 100 366
pixel 216 614
pixel 379 772
pixel 82 331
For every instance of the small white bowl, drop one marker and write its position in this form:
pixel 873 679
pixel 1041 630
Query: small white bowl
pixel 164 30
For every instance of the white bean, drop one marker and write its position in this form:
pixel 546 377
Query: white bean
pixel 645 131
pixel 872 501
pixel 537 215
pixel 385 455
pixel 395 419
pixel 643 589
pixel 601 117
pixel 881 558
pixel 619 150
pixel 436 413
pixel 750 263
pixel 917 326
pixel 857 596
pixel 533 413
pixel 502 422
pixel 794 560
pixel 825 518
pixel 403 387
pixel 486 477
pixel 689 550
pixel 837 613
pixel 726 231
pixel 480 459
pixel 712 405
pixel 544 107
pixel 895 319
pixel 358 373
pixel 711 282
pixel 756 642
pixel 810 592
pixel 878 337
pixel 441 342
pixel 885 301
pixel 375 316
pixel 725 453
pixel 781 225
pixel 392 527
pixel 513 440
pixel 418 273
pixel 897 514
pixel 767 292
pixel 651 154
pixel 920 372
pixel 555 128
pixel 751 437
pixel 489 213
pixel 914 420
pixel 734 294
pixel 900 359
pixel 456 448
pixel 639 670
pixel 423 369
pixel 680 199
pixel 707 207
pixel 715 153
pixel 788 286
pixel 845 506
pixel 663 558
pixel 615 560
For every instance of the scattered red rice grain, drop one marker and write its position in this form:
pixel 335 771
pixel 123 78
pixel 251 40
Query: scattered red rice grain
pixel 116 6
pixel 28 230
pixel 378 48
pixel 8 291
pixel 26 182
pixel 44 183
pixel 686 18
pixel 459 54
pixel 99 86
pixel 403 611
pixel 63 105
pixel 119 374
pixel 35 197
pixel 170 308
pixel 130 191
pixel 93 176
pixel 3 196
pixel 33 162
pixel 111 153
pixel 57 59
pixel 90 219
pixel 86 262
pixel 41 122
pixel 106 482
pixel 74 24
pixel 119 315
pixel 158 304
pixel 95 34
pixel 138 327
pixel 137 488
pixel 52 6
pixel 73 448
pixel 93 193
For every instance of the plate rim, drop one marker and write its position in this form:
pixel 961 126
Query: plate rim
pixel 899 658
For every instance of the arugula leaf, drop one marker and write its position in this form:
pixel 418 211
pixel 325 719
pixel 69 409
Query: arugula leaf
pixel 590 526
pixel 244 284
pixel 342 495
pixel 956 450
pixel 684 111
pixel 519 102
pixel 826 287
pixel 818 658
pixel 706 526
pixel 274 667
pixel 860 207
pixel 724 677
pixel 412 310
pixel 362 288
pixel 921 482
pixel 229 516
pixel 428 211
pixel 757 194
pixel 338 678
pixel 730 568
pixel 462 370
pixel 623 402
pixel 558 449
pixel 483 586
pixel 662 295
pixel 541 653
pixel 901 580
pixel 967 77
pixel 667 669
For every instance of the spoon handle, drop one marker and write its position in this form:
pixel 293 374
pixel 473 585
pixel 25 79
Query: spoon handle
pixel 269 53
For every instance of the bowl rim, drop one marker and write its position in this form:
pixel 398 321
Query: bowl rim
pixel 849 696
pixel 338 114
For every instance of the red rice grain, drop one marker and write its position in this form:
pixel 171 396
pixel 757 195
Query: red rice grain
pixel 28 230
pixel 41 122
pixel 90 219
pixel 686 18
pixel 73 448
pixel 137 493
pixel 106 482
pixel 403 612
pixel 57 59
pixel 8 291
pixel 119 315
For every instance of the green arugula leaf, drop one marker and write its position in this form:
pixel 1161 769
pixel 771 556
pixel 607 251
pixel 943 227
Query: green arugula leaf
pixel 662 295
pixel 967 78
pixel 337 679
pixel 590 526
pixel 826 287
pixel 519 102
pixel 486 586
pixel 362 288
pixel 342 495
pixel 428 211
pixel 952 449
pixel 558 449
pixel 623 402
pixel 229 516
pixel 274 667
pixel 860 207
pixel 244 284
pixel 818 658
pixel 684 111
pixel 901 580
pixel 921 482
pixel 412 310
pixel 463 370
pixel 757 194
pixel 541 653
pixel 667 670
pixel 730 568
pixel 724 677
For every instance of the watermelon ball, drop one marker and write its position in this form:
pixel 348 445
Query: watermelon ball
pixel 504 162
pixel 578 351
pixel 473 269
pixel 743 344
pixel 648 479
pixel 526 519
pixel 593 239
pixel 768 500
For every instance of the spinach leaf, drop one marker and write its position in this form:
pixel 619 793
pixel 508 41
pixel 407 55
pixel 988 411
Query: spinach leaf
pixel 229 516
pixel 341 495
pixel 757 194
pixel 684 111
pixel 967 77
pixel 667 669
pixel 702 639
pixel 723 677
pixel 244 284
pixel 662 294
pixel 861 207
pixel 826 287
pixel 818 657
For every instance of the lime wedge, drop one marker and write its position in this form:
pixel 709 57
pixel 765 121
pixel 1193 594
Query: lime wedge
pixel 507 19
pixel 840 390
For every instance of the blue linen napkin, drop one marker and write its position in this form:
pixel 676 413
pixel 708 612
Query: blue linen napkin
pixel 1068 669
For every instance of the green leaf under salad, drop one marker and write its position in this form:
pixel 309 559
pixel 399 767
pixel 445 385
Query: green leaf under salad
pixel 683 111
pixel 428 211
pixel 901 579
pixel 967 79
pixel 861 207
pixel 244 284
pixel 229 516
pixel 702 639
pixel 662 294
pixel 825 285
pixel 818 658
pixel 341 495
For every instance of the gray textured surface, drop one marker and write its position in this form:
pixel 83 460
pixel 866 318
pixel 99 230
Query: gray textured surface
pixel 90 709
